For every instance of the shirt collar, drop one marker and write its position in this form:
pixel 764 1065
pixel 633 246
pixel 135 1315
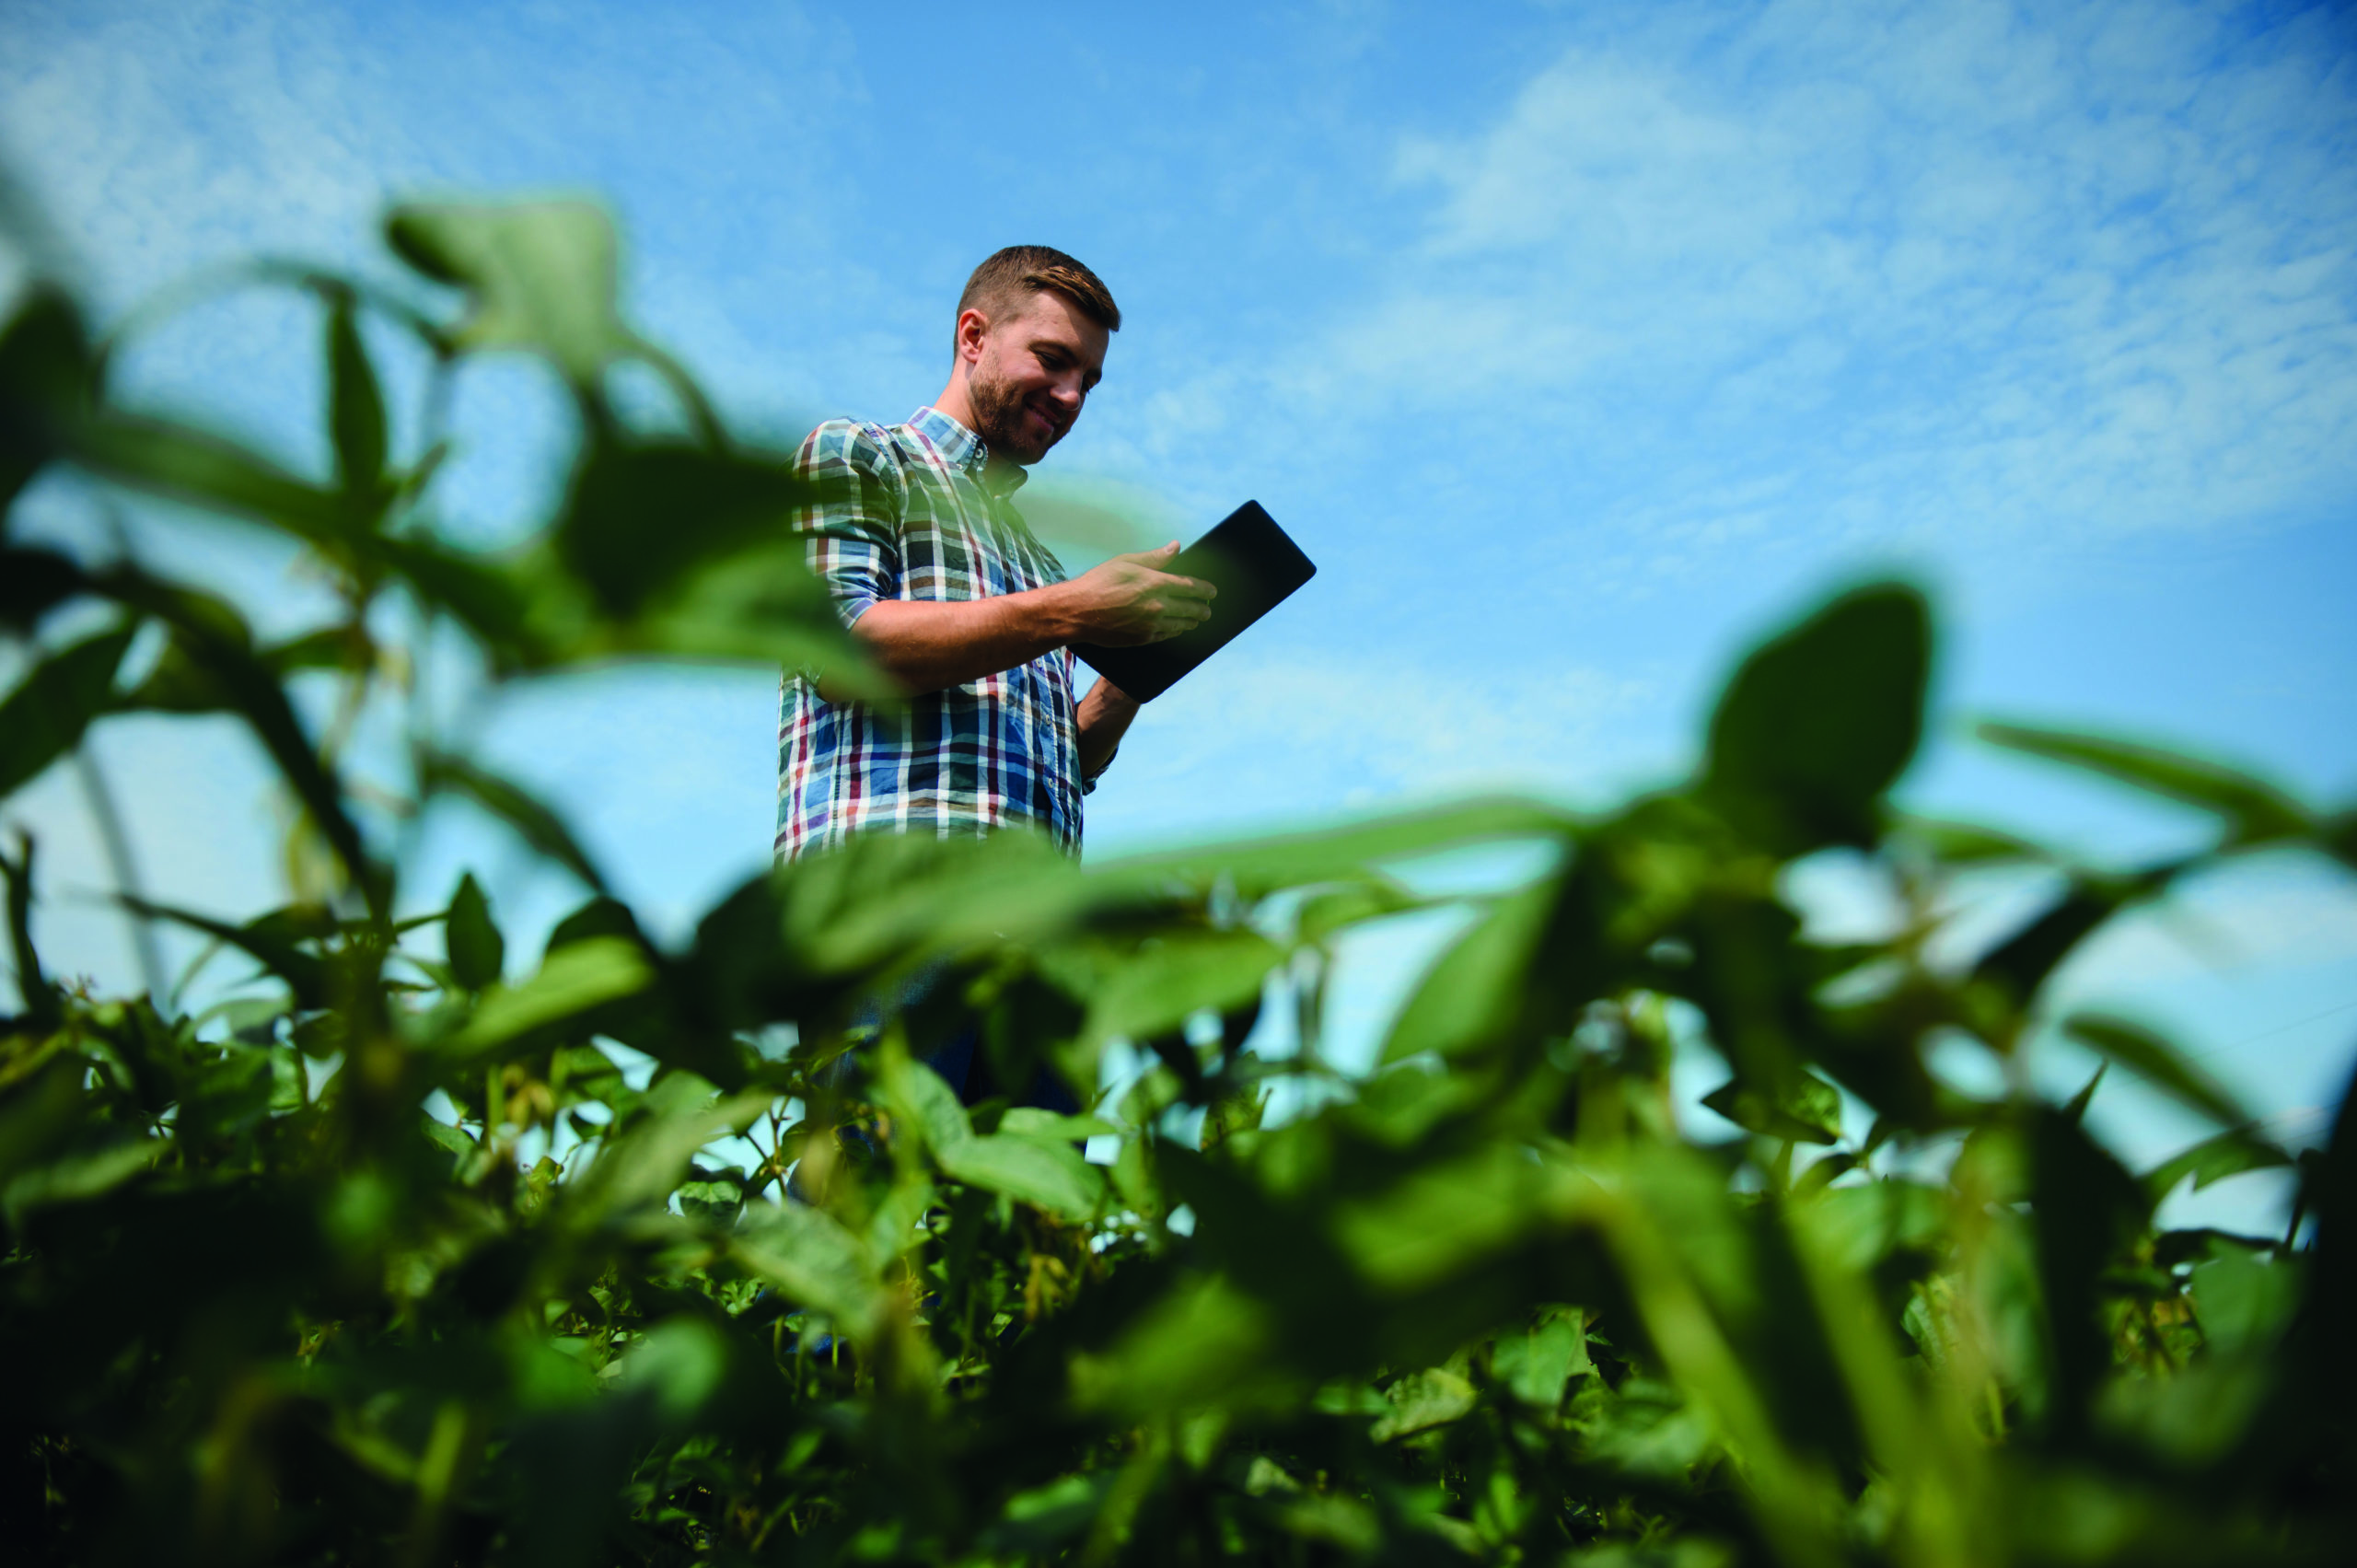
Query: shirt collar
pixel 967 450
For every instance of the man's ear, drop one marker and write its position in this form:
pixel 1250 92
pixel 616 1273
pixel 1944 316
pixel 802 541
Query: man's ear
pixel 972 328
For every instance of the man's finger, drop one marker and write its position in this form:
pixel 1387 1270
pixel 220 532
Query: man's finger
pixel 1190 588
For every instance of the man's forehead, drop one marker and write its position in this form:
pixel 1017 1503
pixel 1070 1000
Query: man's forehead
pixel 1048 314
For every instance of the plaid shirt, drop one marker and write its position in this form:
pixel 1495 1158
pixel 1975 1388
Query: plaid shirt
pixel 917 512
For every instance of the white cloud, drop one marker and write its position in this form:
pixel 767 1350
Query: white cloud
pixel 1863 276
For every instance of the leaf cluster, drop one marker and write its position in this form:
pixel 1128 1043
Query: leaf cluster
pixel 653 1253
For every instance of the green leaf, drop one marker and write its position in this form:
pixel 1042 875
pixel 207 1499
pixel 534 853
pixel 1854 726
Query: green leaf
pixel 43 718
pixel 2022 962
pixel 272 940
pixel 1473 995
pixel 540 275
pixel 1047 1127
pixel 1259 866
pixel 1422 1400
pixel 1821 720
pixel 33 583
pixel 1537 1364
pixel 208 471
pixel 2254 811
pixel 927 1102
pixel 1051 1175
pixel 1155 988
pixel 477 950
pixel 40 996
pixel 1185 1351
pixel 638 519
pixel 2158 1063
pixel 2246 1302
pixel 1964 843
pixel 574 980
pixel 2213 1159
pixel 813 1260
pixel 355 412
pixel 1808 1111
pixel 45 385
pixel 1329 913
pixel 646 1164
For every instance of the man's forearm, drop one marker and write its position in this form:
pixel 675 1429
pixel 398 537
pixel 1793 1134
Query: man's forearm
pixel 929 645
pixel 1105 715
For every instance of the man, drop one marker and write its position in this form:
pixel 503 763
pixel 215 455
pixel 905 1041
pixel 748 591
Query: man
pixel 936 575
pixel 933 569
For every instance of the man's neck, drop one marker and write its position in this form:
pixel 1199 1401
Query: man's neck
pixel 955 402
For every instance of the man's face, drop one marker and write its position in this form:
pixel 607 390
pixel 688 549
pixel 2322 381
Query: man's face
pixel 1029 373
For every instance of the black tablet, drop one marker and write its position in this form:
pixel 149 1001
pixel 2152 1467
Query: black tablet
pixel 1254 566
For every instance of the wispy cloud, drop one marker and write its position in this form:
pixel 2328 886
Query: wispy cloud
pixel 1895 278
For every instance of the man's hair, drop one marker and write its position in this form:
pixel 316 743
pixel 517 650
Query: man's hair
pixel 1019 272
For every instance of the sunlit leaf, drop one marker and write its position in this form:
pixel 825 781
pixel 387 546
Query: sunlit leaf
pixel 574 980
pixel 1422 1400
pixel 1052 1176
pixel 540 275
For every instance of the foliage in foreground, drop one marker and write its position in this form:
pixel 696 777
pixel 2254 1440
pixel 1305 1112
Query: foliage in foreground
pixel 1489 1303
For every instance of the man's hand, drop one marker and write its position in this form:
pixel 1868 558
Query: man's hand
pixel 927 644
pixel 1129 600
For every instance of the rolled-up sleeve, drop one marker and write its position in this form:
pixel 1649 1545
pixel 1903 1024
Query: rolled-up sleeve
pixel 852 517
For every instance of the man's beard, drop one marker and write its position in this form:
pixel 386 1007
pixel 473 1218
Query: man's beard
pixel 1000 418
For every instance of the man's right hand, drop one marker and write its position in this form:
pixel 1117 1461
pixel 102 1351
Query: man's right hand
pixel 1129 600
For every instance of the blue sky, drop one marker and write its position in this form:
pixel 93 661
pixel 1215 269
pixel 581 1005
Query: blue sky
pixel 1578 343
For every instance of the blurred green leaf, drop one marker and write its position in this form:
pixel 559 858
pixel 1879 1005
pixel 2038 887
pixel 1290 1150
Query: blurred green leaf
pixel 2245 1301
pixel 928 1103
pixel 1155 988
pixel 45 385
pixel 32 583
pixel 477 950
pixel 2213 1159
pixel 2022 962
pixel 181 463
pixel 1474 994
pixel 572 982
pixel 1821 720
pixel 1807 1110
pixel 42 719
pixel 2254 812
pixel 356 411
pixel 538 275
pixel 273 940
pixel 2158 1063
pixel 1421 1400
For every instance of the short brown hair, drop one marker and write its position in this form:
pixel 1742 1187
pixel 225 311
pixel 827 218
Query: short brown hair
pixel 1020 271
